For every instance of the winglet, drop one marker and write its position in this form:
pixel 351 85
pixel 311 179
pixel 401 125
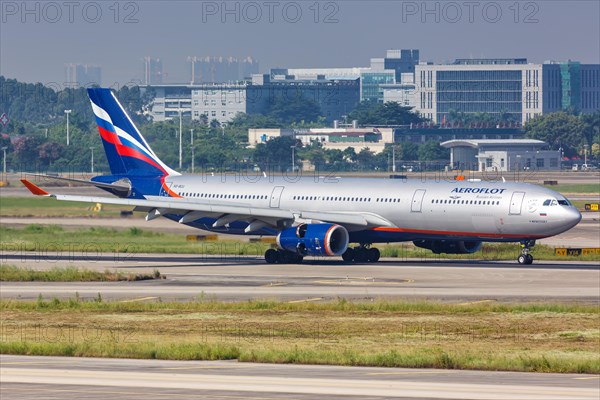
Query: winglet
pixel 34 189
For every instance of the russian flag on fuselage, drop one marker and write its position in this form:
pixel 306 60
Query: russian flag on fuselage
pixel 126 150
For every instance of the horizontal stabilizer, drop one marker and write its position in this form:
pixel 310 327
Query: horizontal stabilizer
pixel 121 190
pixel 34 189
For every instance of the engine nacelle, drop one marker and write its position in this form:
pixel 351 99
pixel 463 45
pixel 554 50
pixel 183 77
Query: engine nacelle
pixel 449 246
pixel 315 239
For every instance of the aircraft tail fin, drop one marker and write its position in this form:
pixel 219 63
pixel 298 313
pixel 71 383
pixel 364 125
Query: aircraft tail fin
pixel 126 149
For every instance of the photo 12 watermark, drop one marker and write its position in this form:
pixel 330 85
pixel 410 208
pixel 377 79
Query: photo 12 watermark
pixel 271 12
pixel 71 12
pixel 470 12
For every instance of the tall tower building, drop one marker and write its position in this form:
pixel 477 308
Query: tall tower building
pixel 153 71
pixel 82 75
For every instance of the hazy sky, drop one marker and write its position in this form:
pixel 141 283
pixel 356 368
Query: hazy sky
pixel 38 38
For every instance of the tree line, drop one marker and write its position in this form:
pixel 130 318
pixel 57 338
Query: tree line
pixel 35 137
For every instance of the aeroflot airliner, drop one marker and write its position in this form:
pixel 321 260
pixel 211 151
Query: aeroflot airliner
pixel 317 217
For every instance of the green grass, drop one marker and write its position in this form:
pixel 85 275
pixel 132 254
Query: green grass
pixel 576 188
pixel 129 241
pixel 135 240
pixel 523 337
pixel 10 273
pixel 32 206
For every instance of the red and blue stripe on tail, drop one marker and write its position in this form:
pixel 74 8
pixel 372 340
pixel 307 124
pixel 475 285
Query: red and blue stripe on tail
pixel 127 152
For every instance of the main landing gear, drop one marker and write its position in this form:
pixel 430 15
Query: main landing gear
pixel 525 258
pixel 363 253
pixel 279 256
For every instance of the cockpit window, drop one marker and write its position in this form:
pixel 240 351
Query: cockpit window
pixel 551 202
pixel 564 202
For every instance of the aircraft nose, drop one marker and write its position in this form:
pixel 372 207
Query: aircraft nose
pixel 573 216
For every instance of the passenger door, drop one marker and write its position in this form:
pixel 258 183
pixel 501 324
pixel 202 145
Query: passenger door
pixel 516 202
pixel 417 200
pixel 276 196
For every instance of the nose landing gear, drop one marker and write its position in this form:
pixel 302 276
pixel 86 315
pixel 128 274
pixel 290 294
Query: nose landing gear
pixel 525 258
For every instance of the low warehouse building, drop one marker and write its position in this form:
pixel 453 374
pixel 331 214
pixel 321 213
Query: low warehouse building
pixel 501 155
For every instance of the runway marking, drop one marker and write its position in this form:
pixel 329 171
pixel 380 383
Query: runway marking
pixel 139 299
pixel 468 303
pixel 208 367
pixel 305 300
pixel 275 284
pixel 588 377
pixel 34 362
pixel 412 373
pixel 362 281
pixel 154 394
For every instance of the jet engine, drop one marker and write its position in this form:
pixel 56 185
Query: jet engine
pixel 448 246
pixel 314 239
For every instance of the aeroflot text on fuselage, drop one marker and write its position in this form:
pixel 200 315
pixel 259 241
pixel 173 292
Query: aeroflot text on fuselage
pixel 478 190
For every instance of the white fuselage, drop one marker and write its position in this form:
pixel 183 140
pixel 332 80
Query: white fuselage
pixel 486 211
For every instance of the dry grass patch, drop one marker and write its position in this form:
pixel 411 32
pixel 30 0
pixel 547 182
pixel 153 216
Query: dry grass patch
pixel 554 338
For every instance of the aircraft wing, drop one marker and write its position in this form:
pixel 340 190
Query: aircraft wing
pixel 225 213
pixel 118 189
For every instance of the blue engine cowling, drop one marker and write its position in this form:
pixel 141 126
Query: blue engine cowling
pixel 449 246
pixel 314 239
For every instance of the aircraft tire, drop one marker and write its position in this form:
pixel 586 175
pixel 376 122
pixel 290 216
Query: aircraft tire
pixel 373 254
pixel 271 256
pixel 348 255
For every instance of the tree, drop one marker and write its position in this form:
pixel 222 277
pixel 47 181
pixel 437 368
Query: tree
pixel 349 154
pixel 558 129
pixel 26 151
pixel 592 127
pixel 50 152
pixel 296 109
pixel 365 158
pixel 390 113
pixel 276 152
pixel 432 151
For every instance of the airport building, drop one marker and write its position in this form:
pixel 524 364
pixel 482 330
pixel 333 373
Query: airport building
pixel 504 87
pixel 372 138
pixel 223 101
pixel 493 155
pixel 397 67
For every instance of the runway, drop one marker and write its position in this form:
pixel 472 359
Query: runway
pixel 25 377
pixel 237 278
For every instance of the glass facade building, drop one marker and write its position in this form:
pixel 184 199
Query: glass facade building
pixel 493 92
pixel 370 84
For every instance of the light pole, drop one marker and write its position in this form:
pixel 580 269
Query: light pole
pixel 192 136
pixel 4 160
pixel 293 158
pixel 68 112
pixel 394 158
pixel 92 159
pixel 193 159
pixel 585 147
pixel 180 137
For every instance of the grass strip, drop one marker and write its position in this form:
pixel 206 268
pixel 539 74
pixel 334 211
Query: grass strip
pixel 522 337
pixel 95 241
pixel 11 273
pixel 31 206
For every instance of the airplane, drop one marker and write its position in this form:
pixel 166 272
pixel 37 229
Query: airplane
pixel 316 216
